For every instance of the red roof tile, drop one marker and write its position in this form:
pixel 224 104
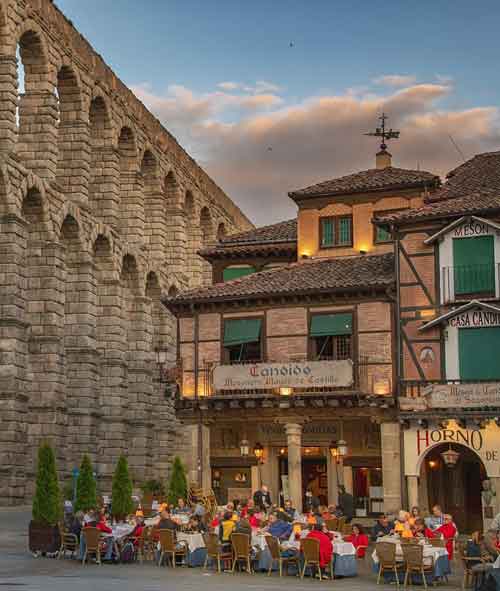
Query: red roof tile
pixel 281 232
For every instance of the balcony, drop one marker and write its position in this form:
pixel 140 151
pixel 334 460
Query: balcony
pixel 465 282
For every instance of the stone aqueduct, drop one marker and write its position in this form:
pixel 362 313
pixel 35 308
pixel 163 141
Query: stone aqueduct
pixel 101 210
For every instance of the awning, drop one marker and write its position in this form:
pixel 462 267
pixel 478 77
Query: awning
pixel 331 325
pixel 241 330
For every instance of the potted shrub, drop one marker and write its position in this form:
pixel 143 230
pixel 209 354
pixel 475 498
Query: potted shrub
pixel 177 488
pixel 86 495
pixel 121 496
pixel 44 535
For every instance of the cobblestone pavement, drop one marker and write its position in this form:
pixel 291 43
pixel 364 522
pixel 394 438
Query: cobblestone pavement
pixel 20 571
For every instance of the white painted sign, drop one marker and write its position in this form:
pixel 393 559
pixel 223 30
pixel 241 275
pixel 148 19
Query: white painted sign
pixel 309 374
pixel 475 319
pixel 484 442
pixel 462 395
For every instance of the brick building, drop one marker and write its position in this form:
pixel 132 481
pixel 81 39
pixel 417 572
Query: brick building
pixel 101 211
pixel 294 347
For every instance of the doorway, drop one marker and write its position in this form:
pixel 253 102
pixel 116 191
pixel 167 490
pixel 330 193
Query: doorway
pixel 456 489
pixel 314 472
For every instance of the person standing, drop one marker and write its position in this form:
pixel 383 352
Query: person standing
pixel 262 498
pixel 346 502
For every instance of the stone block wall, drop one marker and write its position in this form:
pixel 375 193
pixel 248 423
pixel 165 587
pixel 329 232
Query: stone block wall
pixel 94 227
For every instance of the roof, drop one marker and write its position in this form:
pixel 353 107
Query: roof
pixel 472 188
pixel 308 277
pixel 281 232
pixel 368 181
pixel 460 310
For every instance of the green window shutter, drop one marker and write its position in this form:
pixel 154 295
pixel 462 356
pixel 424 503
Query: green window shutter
pixel 382 234
pixel 241 330
pixel 235 272
pixel 474 265
pixel 327 232
pixel 478 350
pixel 345 231
pixel 331 325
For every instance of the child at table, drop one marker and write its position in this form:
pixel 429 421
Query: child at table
pixel 358 539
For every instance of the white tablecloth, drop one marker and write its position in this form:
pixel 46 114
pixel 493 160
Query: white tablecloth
pixel 344 548
pixel 429 551
pixel 152 521
pixel 259 541
pixel 121 530
pixel 194 541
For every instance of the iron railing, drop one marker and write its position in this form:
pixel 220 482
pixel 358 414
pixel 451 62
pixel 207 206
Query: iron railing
pixel 464 281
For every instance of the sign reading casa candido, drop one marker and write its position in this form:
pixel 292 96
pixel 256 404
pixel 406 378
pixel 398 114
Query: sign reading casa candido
pixel 309 374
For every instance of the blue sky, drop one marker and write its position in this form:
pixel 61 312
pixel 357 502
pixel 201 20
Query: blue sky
pixel 265 118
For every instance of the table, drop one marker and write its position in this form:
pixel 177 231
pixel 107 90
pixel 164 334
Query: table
pixel 197 551
pixel 121 530
pixel 344 559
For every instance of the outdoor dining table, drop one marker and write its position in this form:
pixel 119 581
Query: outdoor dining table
pixel 440 555
pixel 197 551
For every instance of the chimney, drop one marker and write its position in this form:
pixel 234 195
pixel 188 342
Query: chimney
pixel 383 159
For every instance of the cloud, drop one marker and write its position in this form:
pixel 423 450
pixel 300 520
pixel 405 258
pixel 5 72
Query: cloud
pixel 229 85
pixel 317 138
pixel 395 80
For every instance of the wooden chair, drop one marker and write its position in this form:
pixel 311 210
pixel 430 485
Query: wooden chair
pixel 310 550
pixel 386 552
pixel 69 542
pixel 92 537
pixel 332 524
pixel 241 550
pixel 275 550
pixel 145 544
pixel 469 563
pixel 214 551
pixel 168 547
pixel 437 542
pixel 413 555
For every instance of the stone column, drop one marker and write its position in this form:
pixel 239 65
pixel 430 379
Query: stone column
pixel 104 194
pixel 198 468
pixel 332 470
pixel 391 466
pixel 131 218
pixel 255 478
pixel 412 483
pixel 73 165
pixel 294 442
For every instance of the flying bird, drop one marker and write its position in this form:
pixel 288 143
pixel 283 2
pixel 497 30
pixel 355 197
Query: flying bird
pixel 291 44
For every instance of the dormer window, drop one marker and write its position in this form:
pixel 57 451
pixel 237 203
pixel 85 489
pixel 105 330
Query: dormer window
pixel 335 231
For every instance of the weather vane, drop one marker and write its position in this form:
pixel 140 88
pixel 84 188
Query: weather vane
pixel 382 132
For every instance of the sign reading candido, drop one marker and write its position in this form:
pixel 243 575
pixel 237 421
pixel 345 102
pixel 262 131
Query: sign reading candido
pixel 311 374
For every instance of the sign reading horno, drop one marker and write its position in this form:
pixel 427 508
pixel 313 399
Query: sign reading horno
pixel 311 374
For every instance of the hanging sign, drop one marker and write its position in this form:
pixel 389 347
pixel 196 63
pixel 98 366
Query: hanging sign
pixel 475 319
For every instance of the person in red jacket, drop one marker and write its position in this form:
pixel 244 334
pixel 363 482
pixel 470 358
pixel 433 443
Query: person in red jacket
pixel 325 545
pixel 448 531
pixel 109 540
pixel 420 530
pixel 359 540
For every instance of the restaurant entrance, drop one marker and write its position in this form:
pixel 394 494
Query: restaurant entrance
pixel 314 472
pixel 457 489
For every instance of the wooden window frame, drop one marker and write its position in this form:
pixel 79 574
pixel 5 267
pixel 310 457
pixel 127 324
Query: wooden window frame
pixel 336 225
pixel 311 345
pixel 224 354
pixel 384 211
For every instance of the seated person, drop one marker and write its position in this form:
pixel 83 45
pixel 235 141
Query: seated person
pixel 76 524
pixel 436 519
pixel 325 545
pixel 166 521
pixel 181 508
pixel 278 528
pixel 103 527
pixel 414 515
pixel 476 549
pixel 243 527
pixel 421 531
pixel 311 518
pixel 195 525
pixel 243 508
pixel 358 539
pixel 253 520
pixel 290 510
pixel 383 527
pixel 402 525
pixel 335 511
pixel 226 528
pixel 448 531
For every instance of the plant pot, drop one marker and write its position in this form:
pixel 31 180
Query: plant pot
pixel 44 538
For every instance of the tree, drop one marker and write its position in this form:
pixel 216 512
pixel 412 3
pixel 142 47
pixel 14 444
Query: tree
pixel 121 498
pixel 177 487
pixel 47 501
pixel 86 496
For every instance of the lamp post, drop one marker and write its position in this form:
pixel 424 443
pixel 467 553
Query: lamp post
pixel 258 452
pixel 450 457
pixel 244 448
pixel 338 450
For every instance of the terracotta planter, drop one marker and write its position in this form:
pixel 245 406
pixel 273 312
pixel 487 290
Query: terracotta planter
pixel 44 538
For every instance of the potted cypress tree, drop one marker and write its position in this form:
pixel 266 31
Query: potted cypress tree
pixel 177 488
pixel 121 495
pixel 44 535
pixel 86 495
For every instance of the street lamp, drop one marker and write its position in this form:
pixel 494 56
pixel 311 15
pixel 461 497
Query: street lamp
pixel 450 457
pixel 161 364
pixel 258 452
pixel 244 448
pixel 342 448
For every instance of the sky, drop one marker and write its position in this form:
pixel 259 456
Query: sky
pixel 273 96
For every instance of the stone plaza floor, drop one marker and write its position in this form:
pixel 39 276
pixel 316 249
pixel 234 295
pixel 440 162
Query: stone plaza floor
pixel 20 571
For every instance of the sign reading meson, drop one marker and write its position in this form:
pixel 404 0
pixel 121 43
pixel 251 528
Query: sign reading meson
pixel 475 318
pixel 313 374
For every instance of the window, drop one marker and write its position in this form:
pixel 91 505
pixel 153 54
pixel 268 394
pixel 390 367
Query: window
pixel 382 234
pixel 335 231
pixel 242 340
pixel 235 272
pixel 331 336
pixel 474 265
pixel 478 353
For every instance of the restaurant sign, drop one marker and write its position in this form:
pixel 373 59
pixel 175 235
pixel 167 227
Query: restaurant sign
pixel 475 395
pixel 475 319
pixel 309 374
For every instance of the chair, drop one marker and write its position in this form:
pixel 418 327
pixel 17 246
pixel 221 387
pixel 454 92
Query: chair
pixel 92 537
pixel 241 550
pixel 145 544
pixel 437 542
pixel 474 566
pixel 386 552
pixel 69 542
pixel 275 550
pixel 310 550
pixel 413 555
pixel 169 547
pixel 214 551
pixel 332 524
